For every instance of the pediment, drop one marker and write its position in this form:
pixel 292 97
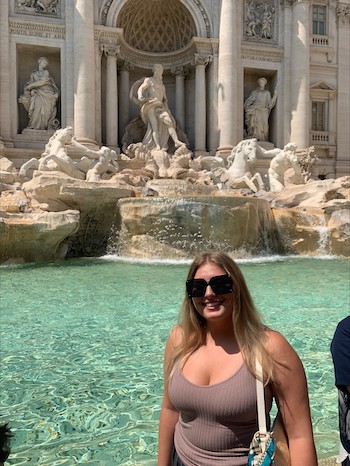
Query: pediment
pixel 323 86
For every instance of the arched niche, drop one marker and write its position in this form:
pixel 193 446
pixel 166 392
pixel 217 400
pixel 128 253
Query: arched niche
pixel 110 11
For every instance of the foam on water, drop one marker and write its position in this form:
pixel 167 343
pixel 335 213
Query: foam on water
pixel 82 344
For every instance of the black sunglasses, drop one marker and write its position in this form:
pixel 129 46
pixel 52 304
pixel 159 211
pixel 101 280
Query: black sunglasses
pixel 196 287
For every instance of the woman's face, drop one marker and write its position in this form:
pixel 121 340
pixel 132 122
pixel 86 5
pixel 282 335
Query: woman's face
pixel 211 306
pixel 43 64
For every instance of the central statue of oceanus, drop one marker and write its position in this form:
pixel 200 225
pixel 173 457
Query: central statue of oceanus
pixel 149 93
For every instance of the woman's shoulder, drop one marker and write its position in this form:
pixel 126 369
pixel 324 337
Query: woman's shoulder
pixel 280 349
pixel 173 343
pixel 176 335
pixel 276 343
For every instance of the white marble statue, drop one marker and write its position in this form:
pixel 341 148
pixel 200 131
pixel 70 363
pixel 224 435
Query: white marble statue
pixel 307 159
pixel 257 111
pixel 90 167
pixel 97 162
pixel 150 94
pixel 55 156
pixel 240 166
pixel 284 160
pixel 40 98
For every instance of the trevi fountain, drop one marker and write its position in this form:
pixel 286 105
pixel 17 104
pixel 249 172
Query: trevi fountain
pixel 174 146
pixel 156 200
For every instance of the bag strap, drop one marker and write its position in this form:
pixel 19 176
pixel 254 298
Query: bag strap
pixel 260 399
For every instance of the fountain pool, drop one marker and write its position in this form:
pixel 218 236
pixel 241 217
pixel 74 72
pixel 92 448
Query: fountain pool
pixel 82 344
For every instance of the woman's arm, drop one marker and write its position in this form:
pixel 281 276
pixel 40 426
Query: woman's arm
pixel 291 392
pixel 168 419
pixel 168 415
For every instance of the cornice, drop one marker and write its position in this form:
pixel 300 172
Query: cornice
pixel 105 33
pixel 146 60
pixel 32 28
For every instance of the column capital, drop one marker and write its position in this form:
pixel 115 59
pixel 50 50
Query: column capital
pixel 202 59
pixel 179 71
pixel 109 49
pixel 215 47
pixel 126 66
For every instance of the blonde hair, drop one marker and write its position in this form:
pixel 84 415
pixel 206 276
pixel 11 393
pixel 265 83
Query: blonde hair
pixel 247 325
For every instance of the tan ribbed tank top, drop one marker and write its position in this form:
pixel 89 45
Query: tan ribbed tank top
pixel 217 422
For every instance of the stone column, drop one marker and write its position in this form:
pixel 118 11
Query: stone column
pixel 98 84
pixel 227 75
pixel 284 107
pixel 5 75
pixel 67 68
pixel 179 73
pixel 124 97
pixel 200 62
pixel 213 134
pixel 300 75
pixel 343 118
pixel 84 72
pixel 111 50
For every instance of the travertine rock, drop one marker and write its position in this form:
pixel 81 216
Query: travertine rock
pixel 36 237
pixel 173 218
pixel 192 224
pixel 96 202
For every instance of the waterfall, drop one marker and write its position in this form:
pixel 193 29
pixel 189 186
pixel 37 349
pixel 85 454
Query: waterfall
pixel 179 227
pixel 324 238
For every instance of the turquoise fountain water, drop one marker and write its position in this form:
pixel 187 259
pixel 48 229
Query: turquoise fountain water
pixel 82 345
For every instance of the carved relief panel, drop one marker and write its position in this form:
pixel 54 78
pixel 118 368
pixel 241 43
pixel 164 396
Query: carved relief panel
pixel 260 20
pixel 50 8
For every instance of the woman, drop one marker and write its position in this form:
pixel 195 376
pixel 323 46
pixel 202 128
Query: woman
pixel 209 411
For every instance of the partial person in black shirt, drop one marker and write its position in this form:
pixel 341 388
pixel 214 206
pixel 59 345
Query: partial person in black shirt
pixel 340 349
pixel 5 435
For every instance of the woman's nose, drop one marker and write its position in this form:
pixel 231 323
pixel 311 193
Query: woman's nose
pixel 209 291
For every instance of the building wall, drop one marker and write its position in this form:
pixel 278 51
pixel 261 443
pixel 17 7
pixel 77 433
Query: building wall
pixel 82 39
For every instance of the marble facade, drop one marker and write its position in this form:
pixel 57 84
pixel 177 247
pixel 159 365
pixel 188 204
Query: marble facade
pixel 212 53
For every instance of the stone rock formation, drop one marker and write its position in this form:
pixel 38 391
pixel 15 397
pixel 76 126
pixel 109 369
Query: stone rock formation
pixel 36 237
pixel 171 227
pixel 54 213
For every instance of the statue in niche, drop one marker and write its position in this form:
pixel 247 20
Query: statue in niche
pixel 40 98
pixel 257 111
pixel 150 94
pixel 259 20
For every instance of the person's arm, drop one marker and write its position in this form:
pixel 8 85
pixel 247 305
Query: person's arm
pixel 168 415
pixel 291 392
pixel 144 86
